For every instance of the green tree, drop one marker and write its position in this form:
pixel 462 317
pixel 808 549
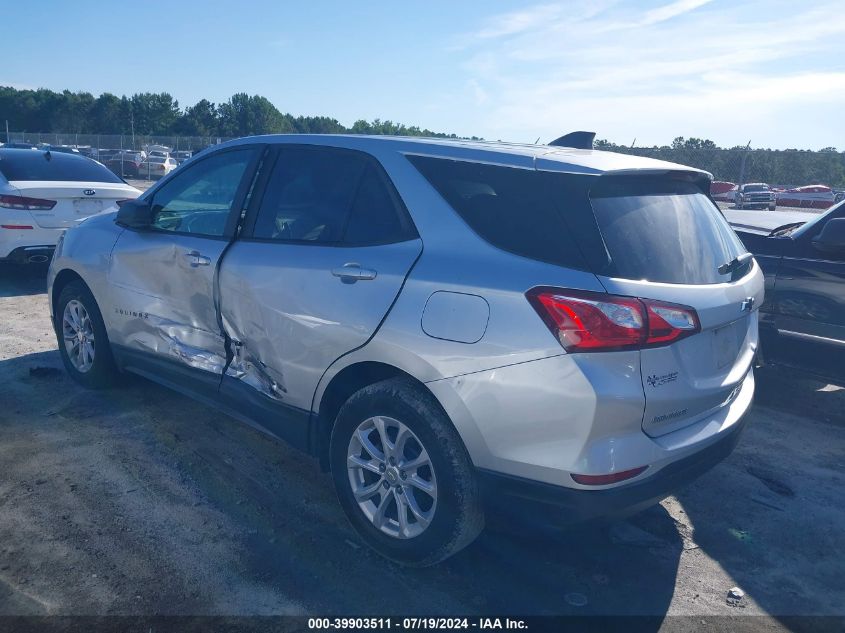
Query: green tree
pixel 243 115
pixel 109 115
pixel 201 119
pixel 154 113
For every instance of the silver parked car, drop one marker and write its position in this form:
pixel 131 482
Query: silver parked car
pixel 451 327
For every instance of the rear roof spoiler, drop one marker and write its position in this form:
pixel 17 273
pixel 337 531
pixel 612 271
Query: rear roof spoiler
pixel 575 140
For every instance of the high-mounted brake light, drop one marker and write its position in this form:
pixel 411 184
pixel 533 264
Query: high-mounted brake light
pixel 26 204
pixel 598 322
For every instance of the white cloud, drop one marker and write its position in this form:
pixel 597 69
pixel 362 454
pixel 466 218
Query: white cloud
pixel 518 21
pixel 669 11
pixel 713 71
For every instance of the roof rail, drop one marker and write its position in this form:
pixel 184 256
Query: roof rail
pixel 576 140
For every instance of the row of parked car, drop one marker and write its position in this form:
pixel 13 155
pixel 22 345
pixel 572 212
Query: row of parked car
pixel 152 161
pixel 759 195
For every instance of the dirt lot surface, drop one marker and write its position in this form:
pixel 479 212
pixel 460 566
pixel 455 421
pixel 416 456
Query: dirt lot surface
pixel 137 500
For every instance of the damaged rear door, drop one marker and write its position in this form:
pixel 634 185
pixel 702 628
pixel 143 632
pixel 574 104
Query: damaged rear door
pixel 163 314
pixel 322 257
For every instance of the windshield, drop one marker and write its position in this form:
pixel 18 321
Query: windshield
pixel 663 230
pixel 753 188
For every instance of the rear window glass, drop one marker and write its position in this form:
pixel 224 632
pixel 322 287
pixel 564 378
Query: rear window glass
pixel 516 210
pixel 663 231
pixel 33 165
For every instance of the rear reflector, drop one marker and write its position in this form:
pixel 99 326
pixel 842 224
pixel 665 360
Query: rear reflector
pixel 611 478
pixel 599 322
pixel 15 226
pixel 26 204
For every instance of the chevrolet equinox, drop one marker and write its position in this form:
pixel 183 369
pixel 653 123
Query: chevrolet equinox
pixel 448 326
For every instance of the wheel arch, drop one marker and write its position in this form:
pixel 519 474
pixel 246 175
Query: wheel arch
pixel 338 390
pixel 63 278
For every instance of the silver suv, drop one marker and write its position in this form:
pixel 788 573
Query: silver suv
pixel 450 327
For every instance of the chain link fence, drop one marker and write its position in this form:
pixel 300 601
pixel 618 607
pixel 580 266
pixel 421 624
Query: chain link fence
pixel 131 156
pixel 778 168
pixel 801 179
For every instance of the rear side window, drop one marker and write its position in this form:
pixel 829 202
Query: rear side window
pixel 517 210
pixel 375 217
pixel 662 230
pixel 309 196
pixel 328 196
pixel 18 165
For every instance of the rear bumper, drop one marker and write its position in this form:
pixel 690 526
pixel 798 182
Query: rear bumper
pixel 30 255
pixel 525 499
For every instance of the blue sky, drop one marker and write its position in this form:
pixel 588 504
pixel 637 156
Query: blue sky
pixel 772 72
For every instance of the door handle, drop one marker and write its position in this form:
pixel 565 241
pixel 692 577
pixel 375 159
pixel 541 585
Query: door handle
pixel 197 259
pixel 351 272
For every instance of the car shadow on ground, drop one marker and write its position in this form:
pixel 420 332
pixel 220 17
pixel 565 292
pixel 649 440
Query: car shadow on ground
pixel 288 533
pixel 17 280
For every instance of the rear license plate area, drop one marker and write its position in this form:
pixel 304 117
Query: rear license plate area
pixel 87 207
pixel 725 345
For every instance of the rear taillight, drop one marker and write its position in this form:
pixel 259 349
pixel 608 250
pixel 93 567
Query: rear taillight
pixel 26 204
pixel 598 322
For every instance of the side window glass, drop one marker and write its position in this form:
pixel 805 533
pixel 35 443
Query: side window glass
pixel 199 200
pixel 309 195
pixel 375 218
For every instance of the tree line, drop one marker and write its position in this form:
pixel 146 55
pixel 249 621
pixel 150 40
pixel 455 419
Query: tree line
pixel 160 114
pixel 149 113
pixel 786 167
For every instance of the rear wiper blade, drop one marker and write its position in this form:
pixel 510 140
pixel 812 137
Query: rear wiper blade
pixel 782 230
pixel 735 264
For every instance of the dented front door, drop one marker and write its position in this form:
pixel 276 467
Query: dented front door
pixel 162 280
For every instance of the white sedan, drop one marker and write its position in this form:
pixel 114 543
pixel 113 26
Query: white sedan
pixel 43 193
pixel 156 166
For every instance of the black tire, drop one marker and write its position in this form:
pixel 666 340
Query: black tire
pixel 772 207
pixel 103 371
pixel 458 516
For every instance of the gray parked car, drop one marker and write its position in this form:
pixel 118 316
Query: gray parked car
pixel 450 327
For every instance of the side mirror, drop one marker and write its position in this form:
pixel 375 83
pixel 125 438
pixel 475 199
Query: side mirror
pixel 832 237
pixel 135 214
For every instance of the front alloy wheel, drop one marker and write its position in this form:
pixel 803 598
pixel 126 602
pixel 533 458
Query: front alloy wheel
pixel 392 477
pixel 78 333
pixel 82 338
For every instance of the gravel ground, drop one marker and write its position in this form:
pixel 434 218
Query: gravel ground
pixel 137 500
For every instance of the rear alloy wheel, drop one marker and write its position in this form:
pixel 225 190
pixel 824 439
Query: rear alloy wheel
pixel 402 474
pixel 83 342
pixel 392 477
